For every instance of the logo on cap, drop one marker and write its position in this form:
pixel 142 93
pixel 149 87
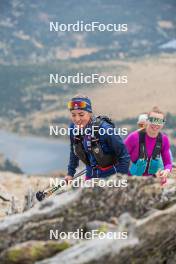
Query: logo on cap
pixel 75 106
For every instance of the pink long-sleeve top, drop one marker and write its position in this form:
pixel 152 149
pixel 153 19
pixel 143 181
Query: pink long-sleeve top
pixel 132 144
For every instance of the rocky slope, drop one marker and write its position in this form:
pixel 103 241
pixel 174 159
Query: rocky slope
pixel 143 209
pixel 17 190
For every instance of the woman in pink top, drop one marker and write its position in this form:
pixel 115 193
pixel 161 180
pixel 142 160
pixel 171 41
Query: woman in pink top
pixel 147 147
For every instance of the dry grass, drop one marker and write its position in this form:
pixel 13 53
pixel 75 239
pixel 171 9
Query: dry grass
pixel 17 186
pixel 151 81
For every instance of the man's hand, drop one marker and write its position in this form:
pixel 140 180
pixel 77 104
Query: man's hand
pixel 163 175
pixel 68 179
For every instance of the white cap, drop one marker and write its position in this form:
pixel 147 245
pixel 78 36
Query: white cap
pixel 142 118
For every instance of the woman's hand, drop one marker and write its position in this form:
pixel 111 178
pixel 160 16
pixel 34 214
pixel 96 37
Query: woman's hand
pixel 163 175
pixel 68 179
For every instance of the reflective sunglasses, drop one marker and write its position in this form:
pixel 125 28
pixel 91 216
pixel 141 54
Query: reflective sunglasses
pixel 76 104
pixel 156 121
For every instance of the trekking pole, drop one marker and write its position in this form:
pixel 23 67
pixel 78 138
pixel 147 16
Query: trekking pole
pixel 41 195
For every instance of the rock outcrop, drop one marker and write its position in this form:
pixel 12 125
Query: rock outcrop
pixel 154 241
pixel 144 210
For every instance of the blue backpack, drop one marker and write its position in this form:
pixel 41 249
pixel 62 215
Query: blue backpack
pixel 154 163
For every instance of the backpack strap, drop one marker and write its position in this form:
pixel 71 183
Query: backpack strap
pixel 96 123
pixel 79 150
pixel 158 146
pixel 100 119
pixel 106 119
pixel 142 147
